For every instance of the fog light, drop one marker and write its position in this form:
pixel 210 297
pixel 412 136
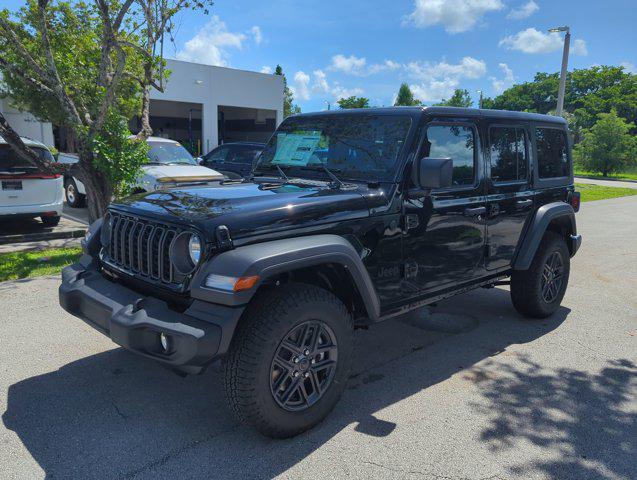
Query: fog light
pixel 165 342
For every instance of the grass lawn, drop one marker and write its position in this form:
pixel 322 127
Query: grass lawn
pixel 631 175
pixel 15 265
pixel 598 192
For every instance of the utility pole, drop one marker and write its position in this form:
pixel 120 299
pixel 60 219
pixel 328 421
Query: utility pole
pixel 562 90
pixel 480 101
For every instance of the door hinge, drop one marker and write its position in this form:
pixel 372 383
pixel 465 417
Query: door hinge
pixel 490 250
pixel 411 269
pixel 411 222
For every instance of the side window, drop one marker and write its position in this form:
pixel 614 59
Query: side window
pixel 509 158
pixel 456 142
pixel 243 156
pixel 218 156
pixel 552 153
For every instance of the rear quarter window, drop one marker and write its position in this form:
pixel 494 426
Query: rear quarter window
pixel 552 152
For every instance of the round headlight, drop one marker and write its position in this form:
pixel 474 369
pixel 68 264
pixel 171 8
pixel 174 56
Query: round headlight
pixel 194 249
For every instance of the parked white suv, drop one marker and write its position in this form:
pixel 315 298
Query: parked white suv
pixel 169 165
pixel 25 191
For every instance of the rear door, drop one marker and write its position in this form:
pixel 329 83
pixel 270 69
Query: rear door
pixel 509 196
pixel 21 184
pixel 445 232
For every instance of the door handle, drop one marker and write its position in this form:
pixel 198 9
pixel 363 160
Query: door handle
pixel 474 212
pixel 524 203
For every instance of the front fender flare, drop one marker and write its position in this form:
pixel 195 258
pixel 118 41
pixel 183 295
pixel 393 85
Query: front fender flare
pixel 279 256
pixel 538 226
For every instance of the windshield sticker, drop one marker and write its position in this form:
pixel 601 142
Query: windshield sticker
pixel 295 149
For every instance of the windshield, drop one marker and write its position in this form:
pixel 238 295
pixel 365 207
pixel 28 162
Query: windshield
pixel 359 147
pixel 169 152
pixel 10 160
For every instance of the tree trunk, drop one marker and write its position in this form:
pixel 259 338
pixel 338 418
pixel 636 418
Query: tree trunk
pixel 98 189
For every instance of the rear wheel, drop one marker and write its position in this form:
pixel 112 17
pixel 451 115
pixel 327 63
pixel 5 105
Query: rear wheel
pixel 73 198
pixel 289 360
pixel 50 221
pixel 538 291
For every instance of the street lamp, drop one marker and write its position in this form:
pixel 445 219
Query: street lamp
pixel 328 104
pixel 567 42
pixel 480 101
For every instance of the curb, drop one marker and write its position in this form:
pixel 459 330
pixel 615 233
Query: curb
pixel 41 236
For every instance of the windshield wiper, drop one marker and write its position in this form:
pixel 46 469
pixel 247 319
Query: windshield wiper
pixel 336 182
pixel 279 170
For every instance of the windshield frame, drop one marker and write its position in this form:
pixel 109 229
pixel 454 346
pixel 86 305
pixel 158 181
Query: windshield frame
pixel 303 172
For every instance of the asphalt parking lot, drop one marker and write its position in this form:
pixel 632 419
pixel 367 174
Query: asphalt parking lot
pixel 462 390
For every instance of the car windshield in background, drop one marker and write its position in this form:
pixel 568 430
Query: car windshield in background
pixel 359 147
pixel 10 160
pixel 169 153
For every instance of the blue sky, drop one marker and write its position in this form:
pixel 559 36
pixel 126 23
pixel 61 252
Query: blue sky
pixel 332 48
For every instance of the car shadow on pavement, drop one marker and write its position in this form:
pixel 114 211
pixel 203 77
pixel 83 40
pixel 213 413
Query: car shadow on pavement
pixel 584 424
pixel 118 415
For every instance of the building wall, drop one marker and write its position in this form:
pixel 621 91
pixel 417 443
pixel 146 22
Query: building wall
pixel 214 86
pixel 26 125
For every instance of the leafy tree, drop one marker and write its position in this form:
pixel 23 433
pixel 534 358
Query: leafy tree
pixel 289 108
pixel 608 147
pixel 460 98
pixel 353 102
pixel 405 97
pixel 589 92
pixel 83 65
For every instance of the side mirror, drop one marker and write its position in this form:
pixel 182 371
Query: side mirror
pixel 199 160
pixel 431 173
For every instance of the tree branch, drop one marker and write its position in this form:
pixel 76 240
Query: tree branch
pixel 25 152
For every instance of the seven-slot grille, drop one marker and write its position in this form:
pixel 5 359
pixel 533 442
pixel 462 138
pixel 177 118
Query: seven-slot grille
pixel 142 247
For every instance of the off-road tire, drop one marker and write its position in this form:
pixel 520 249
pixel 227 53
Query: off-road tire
pixel 526 285
pixel 247 366
pixel 50 221
pixel 74 198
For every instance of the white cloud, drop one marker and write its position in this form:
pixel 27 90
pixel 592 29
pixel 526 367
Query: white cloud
pixel 455 15
pixel 534 41
pixel 386 66
pixel 210 44
pixel 266 69
pixel 501 84
pixel 301 87
pixel 320 82
pixel 629 67
pixel 352 65
pixel 257 34
pixel 339 91
pixel 439 80
pixel 523 11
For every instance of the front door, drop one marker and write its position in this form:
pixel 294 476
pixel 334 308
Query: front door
pixel 509 199
pixel 445 232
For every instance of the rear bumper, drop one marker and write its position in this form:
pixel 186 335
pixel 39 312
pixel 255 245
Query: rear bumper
pixel 134 321
pixel 575 241
pixel 31 211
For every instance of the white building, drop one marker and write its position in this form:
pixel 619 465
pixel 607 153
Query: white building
pixel 202 106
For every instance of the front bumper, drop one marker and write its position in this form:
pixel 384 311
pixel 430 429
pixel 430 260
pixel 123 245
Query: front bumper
pixel 197 336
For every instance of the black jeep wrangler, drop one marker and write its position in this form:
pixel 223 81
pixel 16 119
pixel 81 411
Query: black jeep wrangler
pixel 349 218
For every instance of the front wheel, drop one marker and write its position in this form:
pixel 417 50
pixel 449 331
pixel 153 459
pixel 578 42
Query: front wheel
pixel 73 197
pixel 289 360
pixel 538 291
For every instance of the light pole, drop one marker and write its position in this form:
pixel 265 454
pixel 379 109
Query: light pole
pixel 480 101
pixel 328 104
pixel 561 91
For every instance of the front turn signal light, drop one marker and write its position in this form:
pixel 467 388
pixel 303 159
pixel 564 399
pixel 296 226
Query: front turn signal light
pixel 230 284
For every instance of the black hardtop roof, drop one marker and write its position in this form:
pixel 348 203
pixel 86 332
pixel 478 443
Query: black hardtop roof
pixel 444 111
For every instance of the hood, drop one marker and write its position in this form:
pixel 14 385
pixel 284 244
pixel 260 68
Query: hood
pixel 249 208
pixel 177 172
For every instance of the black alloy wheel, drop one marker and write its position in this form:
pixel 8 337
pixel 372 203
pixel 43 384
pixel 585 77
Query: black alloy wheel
pixel 552 277
pixel 303 366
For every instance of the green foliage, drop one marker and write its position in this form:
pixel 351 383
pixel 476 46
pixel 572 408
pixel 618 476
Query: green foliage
pixel 590 192
pixel 608 147
pixel 289 108
pixel 353 102
pixel 589 92
pixel 28 264
pixel 460 98
pixel 75 31
pixel 405 97
pixel 118 155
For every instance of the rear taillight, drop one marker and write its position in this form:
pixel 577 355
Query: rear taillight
pixel 574 200
pixel 31 176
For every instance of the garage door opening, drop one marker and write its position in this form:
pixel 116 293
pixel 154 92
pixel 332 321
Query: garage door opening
pixel 180 121
pixel 238 124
